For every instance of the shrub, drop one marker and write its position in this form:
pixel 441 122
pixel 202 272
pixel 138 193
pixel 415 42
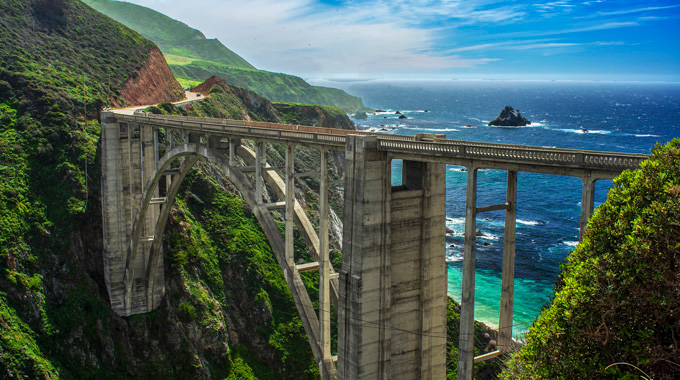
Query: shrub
pixel 618 298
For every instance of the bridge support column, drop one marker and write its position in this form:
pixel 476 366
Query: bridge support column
pixel 324 268
pixel 466 340
pixel 508 274
pixel 587 203
pixel 290 204
pixel 169 144
pixel 128 158
pixel 466 354
pixel 392 312
pixel 260 161
pixel 233 144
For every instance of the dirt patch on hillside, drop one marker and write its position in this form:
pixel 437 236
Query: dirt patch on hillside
pixel 153 84
pixel 209 83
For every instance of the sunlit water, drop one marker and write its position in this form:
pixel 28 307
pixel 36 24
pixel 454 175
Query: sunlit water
pixel 618 117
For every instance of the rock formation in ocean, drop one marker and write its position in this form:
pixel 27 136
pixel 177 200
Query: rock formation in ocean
pixel 510 117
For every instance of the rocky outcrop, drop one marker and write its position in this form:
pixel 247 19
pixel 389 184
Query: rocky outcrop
pixel 252 105
pixel 315 115
pixel 153 83
pixel 208 84
pixel 510 117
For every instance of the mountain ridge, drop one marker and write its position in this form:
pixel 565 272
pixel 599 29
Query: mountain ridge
pixel 171 36
pixel 194 59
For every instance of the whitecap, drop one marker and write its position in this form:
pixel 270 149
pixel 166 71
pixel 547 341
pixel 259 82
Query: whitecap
pixel 455 221
pixel 457 170
pixel 529 222
pixel 489 237
pixel 453 256
pixel 417 128
pixel 585 132
pixel 571 244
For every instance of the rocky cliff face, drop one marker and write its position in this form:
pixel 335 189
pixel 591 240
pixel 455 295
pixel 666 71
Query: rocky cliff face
pixel 313 114
pixel 153 83
pixel 232 102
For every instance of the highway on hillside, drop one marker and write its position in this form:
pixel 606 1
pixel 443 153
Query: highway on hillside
pixel 188 98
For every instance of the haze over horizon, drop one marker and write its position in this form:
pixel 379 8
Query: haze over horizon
pixel 475 39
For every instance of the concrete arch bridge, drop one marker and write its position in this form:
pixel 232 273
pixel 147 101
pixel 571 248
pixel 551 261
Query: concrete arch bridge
pixel 390 293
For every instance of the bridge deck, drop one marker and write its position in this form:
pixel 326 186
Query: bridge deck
pixel 492 155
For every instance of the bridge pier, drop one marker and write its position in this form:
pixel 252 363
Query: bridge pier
pixel 587 202
pixel 392 313
pixel 466 340
pixel 129 153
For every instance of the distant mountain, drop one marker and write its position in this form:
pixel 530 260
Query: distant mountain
pixel 193 59
pixel 172 37
pixel 273 86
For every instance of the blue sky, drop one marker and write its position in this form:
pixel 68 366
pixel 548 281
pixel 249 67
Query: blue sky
pixel 473 39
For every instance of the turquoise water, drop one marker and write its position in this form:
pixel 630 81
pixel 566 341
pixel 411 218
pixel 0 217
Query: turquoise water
pixel 623 117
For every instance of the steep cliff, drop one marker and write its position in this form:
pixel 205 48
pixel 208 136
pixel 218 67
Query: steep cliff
pixel 153 83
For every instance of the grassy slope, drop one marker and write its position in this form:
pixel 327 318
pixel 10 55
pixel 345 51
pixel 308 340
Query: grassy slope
pixel 171 36
pixel 274 86
pixel 618 299
pixel 193 58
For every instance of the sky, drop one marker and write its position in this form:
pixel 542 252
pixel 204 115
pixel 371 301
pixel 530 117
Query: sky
pixel 608 40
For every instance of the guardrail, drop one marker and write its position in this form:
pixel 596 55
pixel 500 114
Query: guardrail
pixel 432 145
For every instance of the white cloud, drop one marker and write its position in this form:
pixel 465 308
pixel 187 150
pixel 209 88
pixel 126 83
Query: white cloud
pixel 635 10
pixel 517 45
pixel 305 38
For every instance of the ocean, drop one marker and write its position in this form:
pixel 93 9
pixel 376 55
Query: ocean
pixel 619 117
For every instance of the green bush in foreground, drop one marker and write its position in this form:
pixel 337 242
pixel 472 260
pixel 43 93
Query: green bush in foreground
pixel 618 299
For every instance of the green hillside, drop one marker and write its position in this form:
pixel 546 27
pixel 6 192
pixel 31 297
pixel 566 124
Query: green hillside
pixel 172 36
pixel 194 59
pixel 273 86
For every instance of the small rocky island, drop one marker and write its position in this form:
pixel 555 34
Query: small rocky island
pixel 510 117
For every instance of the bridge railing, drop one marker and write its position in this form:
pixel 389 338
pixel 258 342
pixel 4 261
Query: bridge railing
pixel 455 149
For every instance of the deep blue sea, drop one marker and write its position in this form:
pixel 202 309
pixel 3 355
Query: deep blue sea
pixel 621 117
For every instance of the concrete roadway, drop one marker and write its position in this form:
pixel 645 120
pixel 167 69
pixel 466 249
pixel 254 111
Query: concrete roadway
pixel 188 98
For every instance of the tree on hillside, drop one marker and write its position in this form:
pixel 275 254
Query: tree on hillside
pixel 618 297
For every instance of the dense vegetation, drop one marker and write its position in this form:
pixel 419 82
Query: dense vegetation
pixel 194 59
pixel 49 75
pixel 55 319
pixel 219 253
pixel 618 297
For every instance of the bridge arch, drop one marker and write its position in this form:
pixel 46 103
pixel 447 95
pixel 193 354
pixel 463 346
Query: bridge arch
pixel 192 152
